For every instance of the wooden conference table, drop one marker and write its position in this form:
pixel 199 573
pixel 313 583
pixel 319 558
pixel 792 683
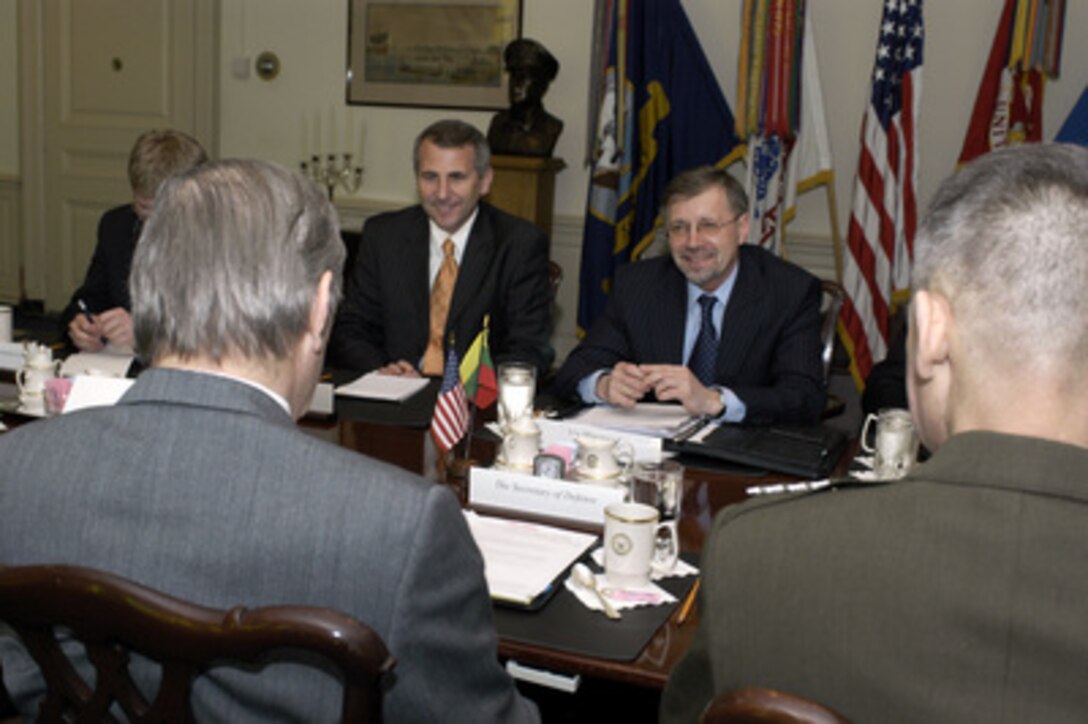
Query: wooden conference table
pixel 396 433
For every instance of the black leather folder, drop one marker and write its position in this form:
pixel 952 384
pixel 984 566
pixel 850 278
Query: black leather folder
pixel 809 452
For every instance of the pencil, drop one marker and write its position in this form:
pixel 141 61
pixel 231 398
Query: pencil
pixel 689 603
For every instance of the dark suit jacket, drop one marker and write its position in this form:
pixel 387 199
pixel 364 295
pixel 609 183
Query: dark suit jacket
pixel 106 283
pixel 385 315
pixel 770 342
pixel 954 595
pixel 205 488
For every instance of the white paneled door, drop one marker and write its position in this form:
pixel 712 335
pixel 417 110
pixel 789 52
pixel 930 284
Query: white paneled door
pixel 108 71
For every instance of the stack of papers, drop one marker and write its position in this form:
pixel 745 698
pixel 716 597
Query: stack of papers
pixel 375 386
pixel 523 561
pixel 646 418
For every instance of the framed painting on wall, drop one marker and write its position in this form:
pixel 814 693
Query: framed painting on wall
pixel 434 53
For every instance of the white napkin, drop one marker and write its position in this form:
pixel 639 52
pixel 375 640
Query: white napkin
pixel 631 597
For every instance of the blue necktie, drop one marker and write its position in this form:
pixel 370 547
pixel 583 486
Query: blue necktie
pixel 705 350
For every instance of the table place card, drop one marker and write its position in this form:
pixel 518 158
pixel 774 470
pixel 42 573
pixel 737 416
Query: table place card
pixel 582 502
pixel 88 391
pixel 564 432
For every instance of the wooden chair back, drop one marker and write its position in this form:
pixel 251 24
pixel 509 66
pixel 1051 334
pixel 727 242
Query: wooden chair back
pixel 755 705
pixel 112 616
pixel 833 297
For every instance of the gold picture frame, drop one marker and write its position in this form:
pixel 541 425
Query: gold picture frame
pixel 430 53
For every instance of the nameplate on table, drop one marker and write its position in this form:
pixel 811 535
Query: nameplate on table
pixel 582 502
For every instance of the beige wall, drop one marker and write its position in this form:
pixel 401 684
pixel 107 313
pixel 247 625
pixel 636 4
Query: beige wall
pixel 275 119
pixel 266 118
pixel 9 90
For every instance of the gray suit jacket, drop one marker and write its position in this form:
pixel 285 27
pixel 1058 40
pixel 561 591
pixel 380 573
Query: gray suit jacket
pixel 204 488
pixel 385 315
pixel 769 353
pixel 955 595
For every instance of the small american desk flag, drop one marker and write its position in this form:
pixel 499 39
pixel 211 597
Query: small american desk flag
pixel 450 421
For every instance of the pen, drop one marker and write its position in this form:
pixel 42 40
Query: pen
pixel 689 603
pixel 86 312
pixel 87 315
pixel 778 488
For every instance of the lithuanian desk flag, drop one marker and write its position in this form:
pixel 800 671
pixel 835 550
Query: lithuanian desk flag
pixel 658 111
pixel 1026 50
pixel 478 371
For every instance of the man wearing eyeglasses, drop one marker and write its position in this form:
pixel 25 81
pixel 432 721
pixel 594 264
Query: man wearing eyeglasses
pixel 728 330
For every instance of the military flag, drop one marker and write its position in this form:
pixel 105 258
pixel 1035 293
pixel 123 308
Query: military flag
pixel 660 111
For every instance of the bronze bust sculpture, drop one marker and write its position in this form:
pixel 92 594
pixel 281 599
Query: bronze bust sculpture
pixel 526 129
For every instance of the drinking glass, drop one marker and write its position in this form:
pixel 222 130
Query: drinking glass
pixel 661 485
pixel 517 388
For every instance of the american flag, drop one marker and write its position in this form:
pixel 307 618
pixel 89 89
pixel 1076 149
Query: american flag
pixel 450 421
pixel 880 241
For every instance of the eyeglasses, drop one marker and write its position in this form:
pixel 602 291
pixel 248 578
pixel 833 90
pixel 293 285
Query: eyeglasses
pixel 703 227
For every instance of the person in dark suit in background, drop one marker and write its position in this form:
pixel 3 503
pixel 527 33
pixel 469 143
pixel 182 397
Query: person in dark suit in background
pixel 155 156
pixel 199 483
pixel 498 267
pixel 753 358
pixel 957 593
pixel 886 385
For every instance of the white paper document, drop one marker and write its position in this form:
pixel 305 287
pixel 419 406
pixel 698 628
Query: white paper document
pixel 108 363
pixel 374 386
pixel 522 560
pixel 647 418
pixel 90 391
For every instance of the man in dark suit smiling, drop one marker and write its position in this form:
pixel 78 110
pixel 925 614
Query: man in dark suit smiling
pixel 728 330
pixel 440 267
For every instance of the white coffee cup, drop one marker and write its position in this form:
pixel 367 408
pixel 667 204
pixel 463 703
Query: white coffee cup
pixel 521 443
pixel 630 544
pixel 7 315
pixel 603 457
pixel 895 447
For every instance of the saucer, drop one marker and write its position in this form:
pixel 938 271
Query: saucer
pixel 589 475
pixel 617 479
pixel 31 411
pixel 501 464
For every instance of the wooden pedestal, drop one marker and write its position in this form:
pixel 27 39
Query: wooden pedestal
pixel 525 186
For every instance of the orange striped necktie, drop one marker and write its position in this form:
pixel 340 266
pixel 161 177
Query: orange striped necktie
pixel 441 295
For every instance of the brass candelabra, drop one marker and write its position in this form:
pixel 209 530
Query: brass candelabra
pixel 333 171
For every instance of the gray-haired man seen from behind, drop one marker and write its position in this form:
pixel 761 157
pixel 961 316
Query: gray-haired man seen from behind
pixel 199 483
pixel 958 593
